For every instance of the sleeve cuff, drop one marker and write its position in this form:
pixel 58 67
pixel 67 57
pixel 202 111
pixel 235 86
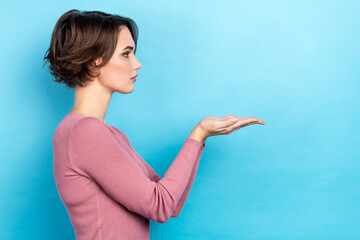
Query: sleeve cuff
pixel 193 141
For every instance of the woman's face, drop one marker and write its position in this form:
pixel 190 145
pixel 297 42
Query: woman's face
pixel 117 73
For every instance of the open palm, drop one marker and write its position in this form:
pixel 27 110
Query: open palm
pixel 213 125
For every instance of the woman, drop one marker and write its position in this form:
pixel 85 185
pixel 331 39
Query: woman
pixel 109 191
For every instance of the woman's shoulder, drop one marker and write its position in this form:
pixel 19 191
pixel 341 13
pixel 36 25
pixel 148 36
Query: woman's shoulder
pixel 89 126
pixel 79 124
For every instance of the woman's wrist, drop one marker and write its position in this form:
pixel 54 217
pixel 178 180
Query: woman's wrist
pixel 198 134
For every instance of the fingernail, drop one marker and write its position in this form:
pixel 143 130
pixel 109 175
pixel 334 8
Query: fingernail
pixel 235 119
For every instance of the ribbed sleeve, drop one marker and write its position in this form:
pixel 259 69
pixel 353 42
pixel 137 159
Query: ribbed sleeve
pixel 98 154
pixel 155 177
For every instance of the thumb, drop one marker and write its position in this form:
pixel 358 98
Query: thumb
pixel 229 116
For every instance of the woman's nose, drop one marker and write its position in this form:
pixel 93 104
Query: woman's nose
pixel 138 65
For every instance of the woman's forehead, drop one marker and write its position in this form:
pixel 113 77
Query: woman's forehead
pixel 125 39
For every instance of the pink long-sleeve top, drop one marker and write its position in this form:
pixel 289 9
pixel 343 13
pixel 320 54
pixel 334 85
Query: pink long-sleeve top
pixel 109 191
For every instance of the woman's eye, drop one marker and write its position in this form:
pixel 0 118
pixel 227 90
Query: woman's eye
pixel 126 53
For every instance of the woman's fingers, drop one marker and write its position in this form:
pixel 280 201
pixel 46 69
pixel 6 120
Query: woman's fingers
pixel 229 122
pixel 214 125
pixel 246 122
pixel 225 120
pixel 228 116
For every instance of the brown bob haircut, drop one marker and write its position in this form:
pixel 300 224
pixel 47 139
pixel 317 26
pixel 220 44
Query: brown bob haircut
pixel 78 39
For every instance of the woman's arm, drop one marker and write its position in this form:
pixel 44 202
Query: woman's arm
pixel 155 177
pixel 97 154
pixel 198 135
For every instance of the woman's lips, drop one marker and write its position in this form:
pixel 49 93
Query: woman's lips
pixel 134 78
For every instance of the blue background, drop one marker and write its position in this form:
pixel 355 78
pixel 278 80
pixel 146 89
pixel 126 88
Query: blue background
pixel 293 64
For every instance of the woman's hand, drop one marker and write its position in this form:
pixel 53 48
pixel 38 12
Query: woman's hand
pixel 213 125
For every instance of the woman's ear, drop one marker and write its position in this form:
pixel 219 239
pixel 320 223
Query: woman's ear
pixel 94 66
pixel 97 62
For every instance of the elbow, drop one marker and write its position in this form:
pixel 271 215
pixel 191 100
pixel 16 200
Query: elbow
pixel 165 219
pixel 175 214
pixel 163 205
pixel 164 216
pixel 161 219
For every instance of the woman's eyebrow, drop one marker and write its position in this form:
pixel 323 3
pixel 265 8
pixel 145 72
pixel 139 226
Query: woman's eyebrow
pixel 128 47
